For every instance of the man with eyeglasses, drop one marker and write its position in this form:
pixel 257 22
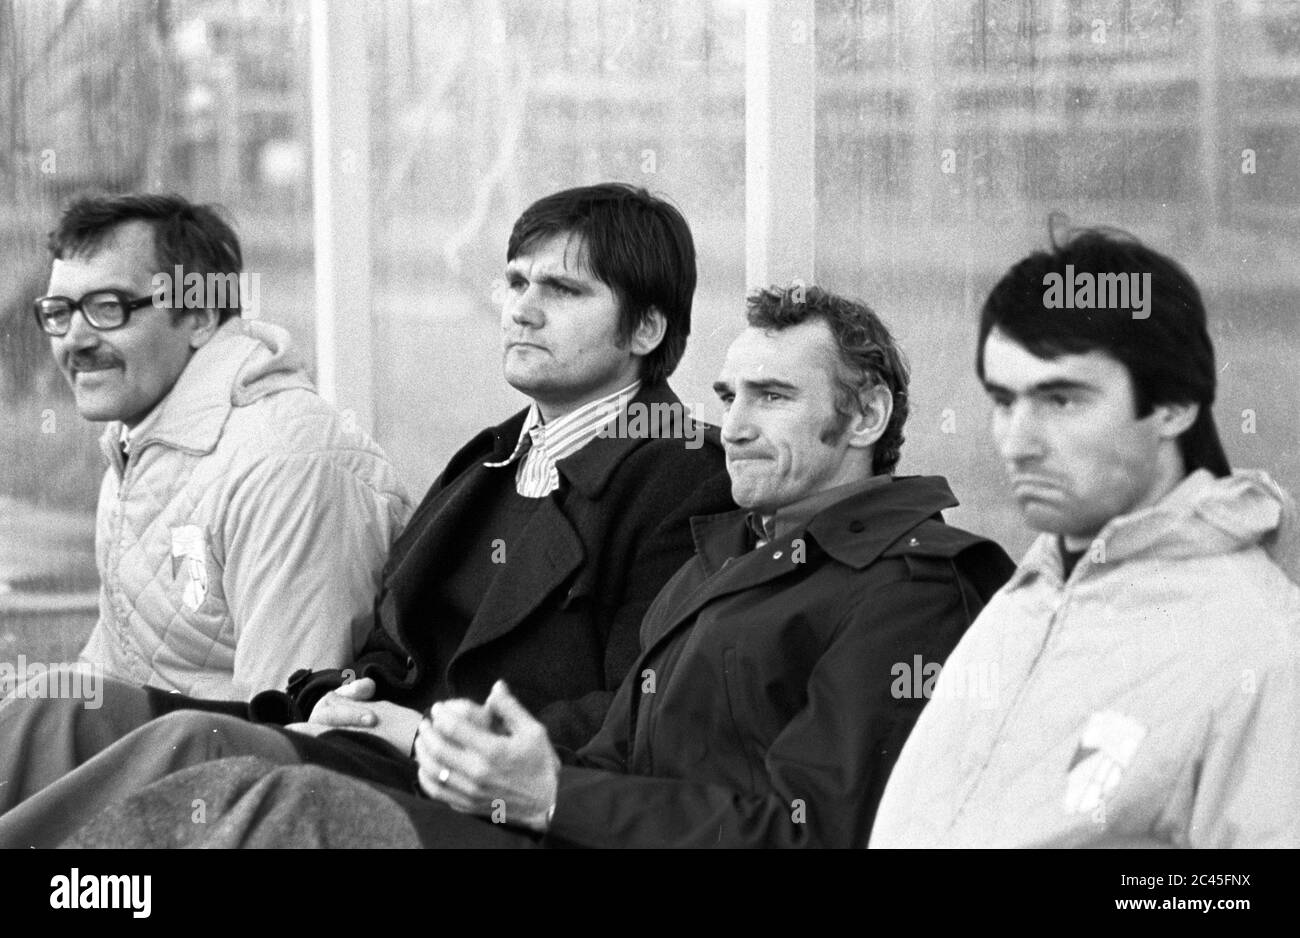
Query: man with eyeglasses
pixel 242 522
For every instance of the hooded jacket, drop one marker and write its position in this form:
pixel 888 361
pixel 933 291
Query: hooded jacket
pixel 765 709
pixel 244 536
pixel 1151 699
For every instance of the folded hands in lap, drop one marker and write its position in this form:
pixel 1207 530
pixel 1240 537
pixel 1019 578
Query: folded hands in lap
pixel 351 707
pixel 492 759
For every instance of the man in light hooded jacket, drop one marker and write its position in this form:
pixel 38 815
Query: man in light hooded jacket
pixel 1137 682
pixel 242 521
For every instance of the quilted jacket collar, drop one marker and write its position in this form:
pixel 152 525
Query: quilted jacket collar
pixel 243 362
pixel 1202 516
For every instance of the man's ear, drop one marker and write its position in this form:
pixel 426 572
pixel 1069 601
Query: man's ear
pixel 203 325
pixel 1172 420
pixel 649 332
pixel 866 428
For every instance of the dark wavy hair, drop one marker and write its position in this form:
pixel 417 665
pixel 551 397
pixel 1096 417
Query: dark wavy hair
pixel 638 245
pixel 192 236
pixel 1168 355
pixel 868 356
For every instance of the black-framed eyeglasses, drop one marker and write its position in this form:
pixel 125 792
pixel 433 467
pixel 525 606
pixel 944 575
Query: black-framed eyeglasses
pixel 103 309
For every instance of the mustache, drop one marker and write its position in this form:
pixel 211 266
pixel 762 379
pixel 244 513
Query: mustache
pixel 83 361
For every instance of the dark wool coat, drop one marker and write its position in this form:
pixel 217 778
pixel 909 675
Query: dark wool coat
pixel 561 629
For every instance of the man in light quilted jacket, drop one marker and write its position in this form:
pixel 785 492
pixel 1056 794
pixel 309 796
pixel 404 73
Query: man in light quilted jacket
pixel 242 521
pixel 1137 682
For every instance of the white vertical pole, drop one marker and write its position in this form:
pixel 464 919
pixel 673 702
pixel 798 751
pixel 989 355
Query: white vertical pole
pixel 1210 158
pixel 341 207
pixel 780 198
pixel 919 26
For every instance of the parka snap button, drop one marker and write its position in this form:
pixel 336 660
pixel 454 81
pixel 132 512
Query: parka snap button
pixel 777 555
pixel 857 527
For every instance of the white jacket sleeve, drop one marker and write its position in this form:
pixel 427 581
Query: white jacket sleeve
pixel 305 539
pixel 1248 786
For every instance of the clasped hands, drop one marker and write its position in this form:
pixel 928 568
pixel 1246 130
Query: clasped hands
pixel 352 707
pixel 491 759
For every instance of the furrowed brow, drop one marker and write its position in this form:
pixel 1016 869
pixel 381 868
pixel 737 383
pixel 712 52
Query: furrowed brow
pixel 559 280
pixel 1058 386
pixel 1044 387
pixel 771 384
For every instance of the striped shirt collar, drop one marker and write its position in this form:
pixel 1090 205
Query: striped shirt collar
pixel 541 445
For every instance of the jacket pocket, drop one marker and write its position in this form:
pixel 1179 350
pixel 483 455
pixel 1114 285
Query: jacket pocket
pixel 738 705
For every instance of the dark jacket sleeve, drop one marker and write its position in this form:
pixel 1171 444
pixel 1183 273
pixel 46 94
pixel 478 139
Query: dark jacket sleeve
pixel 651 500
pixel 661 503
pixel 824 772
pixel 380 658
pixel 607 749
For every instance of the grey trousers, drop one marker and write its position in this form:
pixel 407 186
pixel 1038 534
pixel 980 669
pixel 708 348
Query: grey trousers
pixel 248 802
pixel 61 763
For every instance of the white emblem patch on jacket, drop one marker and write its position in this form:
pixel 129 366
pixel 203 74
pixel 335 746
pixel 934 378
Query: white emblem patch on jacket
pixel 1106 747
pixel 190 561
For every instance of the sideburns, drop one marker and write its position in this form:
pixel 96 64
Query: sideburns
pixel 834 428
